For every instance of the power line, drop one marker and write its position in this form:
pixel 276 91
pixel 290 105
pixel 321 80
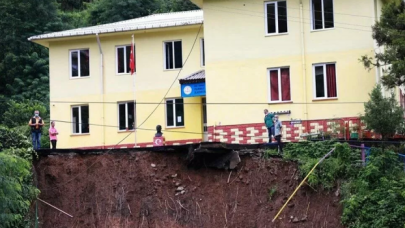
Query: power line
pixel 289 20
pixel 212 103
pixel 309 19
pixel 310 10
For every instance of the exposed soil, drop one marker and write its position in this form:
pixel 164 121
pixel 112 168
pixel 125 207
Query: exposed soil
pixel 138 190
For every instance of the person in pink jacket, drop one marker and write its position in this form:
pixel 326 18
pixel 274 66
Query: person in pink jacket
pixel 53 135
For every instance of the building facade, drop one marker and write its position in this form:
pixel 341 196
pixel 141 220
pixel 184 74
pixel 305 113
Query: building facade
pixel 207 75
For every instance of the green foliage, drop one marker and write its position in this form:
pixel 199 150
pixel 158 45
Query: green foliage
pixel 389 33
pixel 375 197
pixel 272 192
pixel 107 11
pixel 16 190
pixel 175 6
pixel 269 153
pixel 383 115
pixel 19 113
pixel 337 166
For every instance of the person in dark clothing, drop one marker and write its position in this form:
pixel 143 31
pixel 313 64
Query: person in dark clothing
pixel 36 123
pixel 159 131
pixel 268 121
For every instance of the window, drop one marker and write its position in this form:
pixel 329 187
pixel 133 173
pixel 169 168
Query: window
pixel 123 56
pixel 202 52
pixel 276 17
pixel 322 14
pixel 126 117
pixel 173 55
pixel 279 84
pixel 80 119
pixel 79 63
pixel 174 113
pixel 325 81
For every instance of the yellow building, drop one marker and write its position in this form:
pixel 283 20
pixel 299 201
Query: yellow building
pixel 296 58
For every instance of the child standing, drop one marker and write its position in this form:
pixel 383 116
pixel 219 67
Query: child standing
pixel 53 135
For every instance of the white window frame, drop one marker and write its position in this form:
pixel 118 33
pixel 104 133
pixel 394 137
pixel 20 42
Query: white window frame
pixel 202 52
pixel 323 17
pixel 125 59
pixel 279 84
pixel 80 119
pixel 78 63
pixel 324 81
pixel 174 113
pixel 174 60
pixel 276 18
pixel 126 114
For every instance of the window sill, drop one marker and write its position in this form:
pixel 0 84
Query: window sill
pixel 124 74
pixel 280 102
pixel 85 134
pixel 325 99
pixel 75 78
pixel 173 128
pixel 176 69
pixel 321 30
pixel 125 131
pixel 276 34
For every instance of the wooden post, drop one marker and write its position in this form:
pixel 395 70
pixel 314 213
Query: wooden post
pixel 363 154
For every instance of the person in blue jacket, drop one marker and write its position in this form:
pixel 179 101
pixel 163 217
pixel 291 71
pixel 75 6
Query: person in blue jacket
pixel 268 121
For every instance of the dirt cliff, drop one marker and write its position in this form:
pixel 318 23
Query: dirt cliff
pixel 147 189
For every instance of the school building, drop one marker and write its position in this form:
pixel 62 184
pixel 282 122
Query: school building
pixel 207 75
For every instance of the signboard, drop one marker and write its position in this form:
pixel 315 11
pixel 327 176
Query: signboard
pixel 193 90
pixel 295 122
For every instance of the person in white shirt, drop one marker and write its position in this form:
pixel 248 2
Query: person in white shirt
pixel 278 133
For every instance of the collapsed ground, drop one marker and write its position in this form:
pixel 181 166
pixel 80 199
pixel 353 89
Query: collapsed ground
pixel 149 189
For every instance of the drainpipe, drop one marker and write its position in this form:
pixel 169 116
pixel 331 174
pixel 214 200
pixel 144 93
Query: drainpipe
pixel 304 67
pixel 377 69
pixel 102 86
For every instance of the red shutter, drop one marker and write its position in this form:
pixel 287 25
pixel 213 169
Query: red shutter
pixel 285 84
pixel 274 85
pixel 331 80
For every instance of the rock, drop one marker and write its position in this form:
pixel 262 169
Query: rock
pixel 291 205
pixel 136 159
pixel 304 219
pixel 295 220
pixel 177 184
pixel 247 169
pixel 174 175
pixel 153 165
pixel 177 194
pixel 241 176
pixel 337 193
pixel 182 192
pixel 179 189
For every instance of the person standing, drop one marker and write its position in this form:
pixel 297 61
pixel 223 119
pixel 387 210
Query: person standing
pixel 53 135
pixel 36 123
pixel 268 121
pixel 278 133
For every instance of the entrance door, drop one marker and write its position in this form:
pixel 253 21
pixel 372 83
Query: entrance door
pixel 204 117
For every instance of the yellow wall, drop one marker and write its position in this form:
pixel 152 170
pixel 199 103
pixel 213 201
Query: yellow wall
pixel 151 84
pixel 237 62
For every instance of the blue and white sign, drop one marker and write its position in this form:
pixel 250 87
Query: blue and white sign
pixel 193 90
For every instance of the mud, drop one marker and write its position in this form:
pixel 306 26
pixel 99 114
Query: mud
pixel 146 189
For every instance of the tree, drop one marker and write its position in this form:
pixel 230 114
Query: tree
pixel 383 115
pixel 389 33
pixel 16 185
pixel 175 6
pixel 107 11
pixel 23 64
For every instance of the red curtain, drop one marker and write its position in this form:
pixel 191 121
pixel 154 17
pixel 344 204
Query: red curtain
pixel 331 80
pixel 274 85
pixel 285 85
